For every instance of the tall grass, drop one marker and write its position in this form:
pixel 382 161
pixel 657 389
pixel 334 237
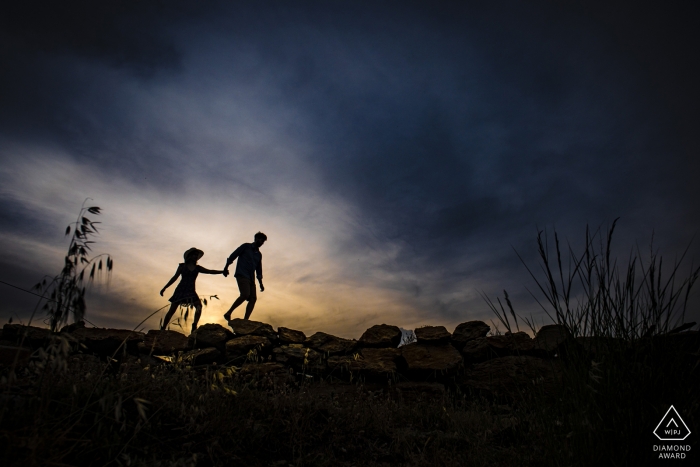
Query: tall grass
pixel 597 296
pixel 64 294
pixel 632 316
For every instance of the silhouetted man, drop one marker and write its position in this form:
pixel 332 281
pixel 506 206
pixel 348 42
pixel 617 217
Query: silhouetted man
pixel 249 264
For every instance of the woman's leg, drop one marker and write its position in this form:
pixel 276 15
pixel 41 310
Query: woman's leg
pixel 168 315
pixel 197 314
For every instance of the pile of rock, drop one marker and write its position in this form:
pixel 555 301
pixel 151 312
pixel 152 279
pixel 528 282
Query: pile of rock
pixel 467 358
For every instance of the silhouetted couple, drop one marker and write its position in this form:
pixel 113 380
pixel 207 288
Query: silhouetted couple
pixel 248 267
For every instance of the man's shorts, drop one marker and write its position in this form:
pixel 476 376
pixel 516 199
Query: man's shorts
pixel 247 288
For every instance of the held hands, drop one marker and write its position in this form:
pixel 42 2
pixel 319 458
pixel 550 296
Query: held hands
pixel 225 272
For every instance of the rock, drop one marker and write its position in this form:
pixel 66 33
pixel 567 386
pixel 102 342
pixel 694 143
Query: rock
pixel 9 355
pixel 329 344
pixel 202 356
pixel 484 348
pixel 468 331
pixel 297 355
pixel 157 342
pixel 290 336
pixel 107 341
pixel 210 335
pixel 477 350
pixel 30 336
pixel 432 335
pixel 370 361
pixel 345 363
pixel 380 360
pixel 239 346
pixel 381 335
pixel 515 376
pixel 415 392
pixel 245 327
pixel 553 338
pixel 430 358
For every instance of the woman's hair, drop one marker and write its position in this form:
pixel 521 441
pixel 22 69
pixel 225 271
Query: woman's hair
pixel 260 235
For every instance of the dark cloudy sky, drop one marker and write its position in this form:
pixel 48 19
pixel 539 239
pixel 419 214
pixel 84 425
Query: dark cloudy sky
pixel 394 152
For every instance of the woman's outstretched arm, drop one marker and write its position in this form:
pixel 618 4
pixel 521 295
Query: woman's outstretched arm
pixel 171 281
pixel 204 270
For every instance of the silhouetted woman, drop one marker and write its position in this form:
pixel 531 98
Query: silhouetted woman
pixel 185 293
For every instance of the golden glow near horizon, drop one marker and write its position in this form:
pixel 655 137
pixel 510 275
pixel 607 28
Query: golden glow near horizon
pixel 308 285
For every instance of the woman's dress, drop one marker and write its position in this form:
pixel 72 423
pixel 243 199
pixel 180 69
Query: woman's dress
pixel 185 293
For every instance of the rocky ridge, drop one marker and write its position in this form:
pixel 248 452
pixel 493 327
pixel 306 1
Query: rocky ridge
pixel 509 364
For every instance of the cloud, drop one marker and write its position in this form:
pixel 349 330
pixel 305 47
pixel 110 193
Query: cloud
pixel 392 157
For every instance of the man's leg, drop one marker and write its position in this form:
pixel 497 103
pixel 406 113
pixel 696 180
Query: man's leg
pixel 238 301
pixel 244 289
pixel 250 306
pixel 168 315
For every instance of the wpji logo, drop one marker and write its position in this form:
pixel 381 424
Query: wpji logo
pixel 672 428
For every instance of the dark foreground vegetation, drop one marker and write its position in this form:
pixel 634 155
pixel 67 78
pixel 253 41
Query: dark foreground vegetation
pixel 622 358
pixel 75 409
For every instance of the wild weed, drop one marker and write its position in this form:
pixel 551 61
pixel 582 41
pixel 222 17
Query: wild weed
pixel 65 293
pixel 630 315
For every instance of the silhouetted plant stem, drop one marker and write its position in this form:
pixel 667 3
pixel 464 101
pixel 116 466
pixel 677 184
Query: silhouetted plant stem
pixel 67 289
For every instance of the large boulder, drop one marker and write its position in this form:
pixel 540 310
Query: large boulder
pixel 381 335
pixel 553 339
pixel 239 346
pixel 297 356
pixel 107 341
pixel 381 360
pixel 370 361
pixel 30 336
pixel 202 356
pixel 290 336
pixel 210 335
pixel 342 363
pixel 157 342
pixel 515 376
pixel 477 350
pixel 430 358
pixel 245 327
pixel 432 335
pixel 329 344
pixel 484 348
pixel 468 331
